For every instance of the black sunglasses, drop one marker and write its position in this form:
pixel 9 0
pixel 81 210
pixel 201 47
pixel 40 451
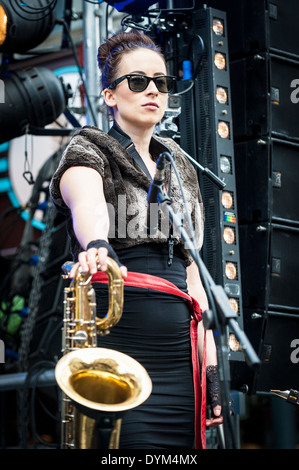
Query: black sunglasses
pixel 164 83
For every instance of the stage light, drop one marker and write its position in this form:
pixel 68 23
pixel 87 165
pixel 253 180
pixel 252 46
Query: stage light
pixel 23 26
pixel 220 61
pixel 231 270
pixel 233 343
pixel 3 25
pixel 207 131
pixel 223 129
pixel 221 95
pixel 234 304
pixel 33 97
pixel 218 27
pixel 227 200
pixel 229 235
pixel 225 164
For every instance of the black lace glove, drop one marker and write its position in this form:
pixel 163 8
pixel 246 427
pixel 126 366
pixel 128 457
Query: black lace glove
pixel 103 244
pixel 213 388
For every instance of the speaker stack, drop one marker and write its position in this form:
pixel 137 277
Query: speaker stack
pixel 264 64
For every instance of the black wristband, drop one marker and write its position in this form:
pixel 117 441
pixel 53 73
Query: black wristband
pixel 103 244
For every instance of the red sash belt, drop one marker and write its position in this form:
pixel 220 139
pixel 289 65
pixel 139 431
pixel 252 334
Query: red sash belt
pixel 159 284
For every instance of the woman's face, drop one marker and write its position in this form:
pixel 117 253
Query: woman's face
pixel 141 110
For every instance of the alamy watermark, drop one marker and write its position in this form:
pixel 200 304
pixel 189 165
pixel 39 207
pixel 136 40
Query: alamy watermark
pixel 129 220
pixel 295 92
pixel 2 87
pixel 295 352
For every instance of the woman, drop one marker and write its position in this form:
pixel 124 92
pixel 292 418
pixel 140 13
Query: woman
pixel 102 185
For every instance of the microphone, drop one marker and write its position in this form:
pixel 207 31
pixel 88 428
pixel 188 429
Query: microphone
pixel 291 396
pixel 153 193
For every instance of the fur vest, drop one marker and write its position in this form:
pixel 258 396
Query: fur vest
pixel 126 188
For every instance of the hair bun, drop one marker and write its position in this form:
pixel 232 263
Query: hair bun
pixel 110 52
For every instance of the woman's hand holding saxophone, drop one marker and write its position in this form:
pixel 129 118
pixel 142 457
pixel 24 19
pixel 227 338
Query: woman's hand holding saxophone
pixel 95 257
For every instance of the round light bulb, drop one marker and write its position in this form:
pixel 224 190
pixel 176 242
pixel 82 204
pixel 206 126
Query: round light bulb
pixel 221 95
pixel 229 235
pixel 225 165
pixel 233 343
pixel 227 200
pixel 218 27
pixel 231 270
pixel 220 61
pixel 234 304
pixel 223 129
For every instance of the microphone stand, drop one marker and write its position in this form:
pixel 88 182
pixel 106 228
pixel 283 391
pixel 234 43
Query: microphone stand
pixel 218 317
pixel 206 171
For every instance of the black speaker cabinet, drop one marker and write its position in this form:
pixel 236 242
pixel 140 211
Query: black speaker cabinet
pixel 262 96
pixel 267 177
pixel 270 268
pixel 275 338
pixel 279 353
pixel 256 25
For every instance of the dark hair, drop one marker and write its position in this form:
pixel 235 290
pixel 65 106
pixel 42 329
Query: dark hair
pixel 112 50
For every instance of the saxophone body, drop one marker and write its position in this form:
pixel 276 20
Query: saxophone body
pixel 98 385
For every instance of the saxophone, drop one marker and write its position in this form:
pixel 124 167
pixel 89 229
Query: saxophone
pixel 97 385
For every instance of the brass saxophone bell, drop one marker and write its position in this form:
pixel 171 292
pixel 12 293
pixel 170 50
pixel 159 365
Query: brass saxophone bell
pixel 102 380
pixel 103 384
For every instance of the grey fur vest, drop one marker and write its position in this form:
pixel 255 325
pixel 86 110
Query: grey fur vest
pixel 126 187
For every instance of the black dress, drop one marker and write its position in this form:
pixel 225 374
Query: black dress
pixel 155 330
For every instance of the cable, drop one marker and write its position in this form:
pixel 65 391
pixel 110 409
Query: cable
pixel 187 89
pixel 66 26
pixel 202 50
pixel 171 160
pixel 37 369
pixel 34 397
pixel 35 10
